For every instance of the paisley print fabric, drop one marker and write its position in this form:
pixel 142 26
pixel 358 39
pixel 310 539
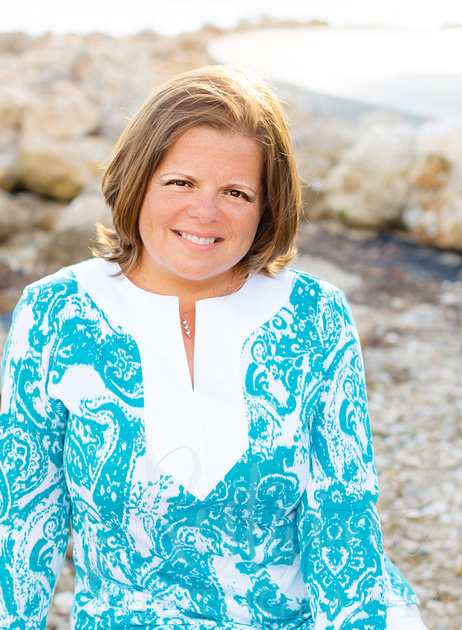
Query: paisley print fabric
pixel 288 539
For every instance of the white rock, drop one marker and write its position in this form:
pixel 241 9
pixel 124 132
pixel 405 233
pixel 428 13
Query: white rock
pixel 434 213
pixel 84 211
pixel 74 233
pixel 59 168
pixel 441 138
pixel 15 99
pixel 14 216
pixel 52 58
pixel 108 68
pixel 441 227
pixel 324 137
pixel 369 186
pixel 62 111
pixel 20 252
pixel 8 154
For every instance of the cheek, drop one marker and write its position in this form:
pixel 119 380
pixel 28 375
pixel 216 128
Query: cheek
pixel 253 225
pixel 143 225
pixel 248 233
pixel 150 216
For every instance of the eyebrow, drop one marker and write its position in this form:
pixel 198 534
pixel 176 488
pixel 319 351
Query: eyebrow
pixel 194 180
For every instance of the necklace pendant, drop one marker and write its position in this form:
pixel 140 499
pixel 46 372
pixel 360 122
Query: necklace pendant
pixel 187 332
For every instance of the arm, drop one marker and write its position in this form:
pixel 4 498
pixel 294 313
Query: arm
pixel 340 538
pixel 34 503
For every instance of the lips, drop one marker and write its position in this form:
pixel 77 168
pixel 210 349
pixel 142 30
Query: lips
pixel 198 240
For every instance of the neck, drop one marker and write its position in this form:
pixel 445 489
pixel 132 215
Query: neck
pixel 188 292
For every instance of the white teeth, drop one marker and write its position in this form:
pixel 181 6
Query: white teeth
pixel 196 239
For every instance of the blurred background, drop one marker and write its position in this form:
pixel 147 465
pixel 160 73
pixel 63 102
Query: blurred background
pixel 374 97
pixel 117 18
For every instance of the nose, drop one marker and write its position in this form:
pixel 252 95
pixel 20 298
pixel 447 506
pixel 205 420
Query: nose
pixel 205 207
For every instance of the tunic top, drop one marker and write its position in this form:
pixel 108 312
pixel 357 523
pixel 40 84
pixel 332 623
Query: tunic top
pixel 245 502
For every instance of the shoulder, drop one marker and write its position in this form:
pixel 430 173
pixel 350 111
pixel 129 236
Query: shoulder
pixel 65 278
pixel 322 306
pixel 57 294
pixel 309 289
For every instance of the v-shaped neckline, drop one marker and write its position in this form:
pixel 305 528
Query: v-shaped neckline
pixel 196 435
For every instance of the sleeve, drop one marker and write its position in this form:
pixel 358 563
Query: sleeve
pixel 339 531
pixel 34 502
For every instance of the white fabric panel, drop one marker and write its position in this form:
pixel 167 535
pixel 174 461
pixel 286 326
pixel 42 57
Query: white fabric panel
pixel 195 435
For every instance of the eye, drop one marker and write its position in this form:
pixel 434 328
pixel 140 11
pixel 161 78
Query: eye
pixel 178 182
pixel 238 194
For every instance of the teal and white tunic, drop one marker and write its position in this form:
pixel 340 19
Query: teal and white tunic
pixel 246 502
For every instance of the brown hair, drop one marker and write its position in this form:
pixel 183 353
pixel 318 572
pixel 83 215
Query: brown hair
pixel 224 98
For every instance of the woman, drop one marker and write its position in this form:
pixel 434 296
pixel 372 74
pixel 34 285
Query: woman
pixel 197 411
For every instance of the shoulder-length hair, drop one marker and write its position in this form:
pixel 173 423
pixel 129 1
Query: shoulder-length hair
pixel 224 98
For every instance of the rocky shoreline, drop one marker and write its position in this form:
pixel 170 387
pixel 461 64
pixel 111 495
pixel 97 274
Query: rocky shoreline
pixel 64 101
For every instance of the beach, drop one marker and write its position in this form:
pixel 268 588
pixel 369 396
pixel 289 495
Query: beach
pixel 382 186
pixel 414 72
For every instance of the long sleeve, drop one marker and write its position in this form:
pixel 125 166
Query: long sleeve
pixel 34 502
pixel 339 531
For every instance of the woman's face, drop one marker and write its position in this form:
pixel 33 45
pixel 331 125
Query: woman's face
pixel 201 210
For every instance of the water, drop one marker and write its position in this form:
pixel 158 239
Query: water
pixel 170 17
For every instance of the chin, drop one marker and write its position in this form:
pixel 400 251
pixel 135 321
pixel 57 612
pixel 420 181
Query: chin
pixel 202 275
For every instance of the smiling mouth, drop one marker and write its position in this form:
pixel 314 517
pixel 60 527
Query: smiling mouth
pixel 198 240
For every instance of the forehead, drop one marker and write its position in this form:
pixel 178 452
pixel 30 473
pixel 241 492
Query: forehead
pixel 207 144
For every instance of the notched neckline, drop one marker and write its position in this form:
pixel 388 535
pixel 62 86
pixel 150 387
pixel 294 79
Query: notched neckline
pixel 205 424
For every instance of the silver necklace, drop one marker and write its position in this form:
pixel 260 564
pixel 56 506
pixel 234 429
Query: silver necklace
pixel 184 322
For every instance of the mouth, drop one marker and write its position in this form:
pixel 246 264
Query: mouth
pixel 199 240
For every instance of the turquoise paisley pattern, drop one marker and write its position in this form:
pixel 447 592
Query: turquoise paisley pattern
pixel 288 539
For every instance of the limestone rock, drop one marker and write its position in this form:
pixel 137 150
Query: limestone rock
pixel 25 223
pixel 16 43
pixel 369 187
pixel 62 111
pixel 8 153
pixel 60 168
pixel 325 137
pixel 434 213
pixel 15 99
pixel 431 172
pixel 100 68
pixel 442 138
pixel 51 59
pixel 107 68
pixel 9 297
pixel 14 216
pixel 84 211
pixel 115 117
pixel 42 212
pixel 437 219
pixel 319 144
pixel 20 252
pixel 74 233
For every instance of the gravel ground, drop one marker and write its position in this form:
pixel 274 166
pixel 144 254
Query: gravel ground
pixel 407 301
pixel 408 304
